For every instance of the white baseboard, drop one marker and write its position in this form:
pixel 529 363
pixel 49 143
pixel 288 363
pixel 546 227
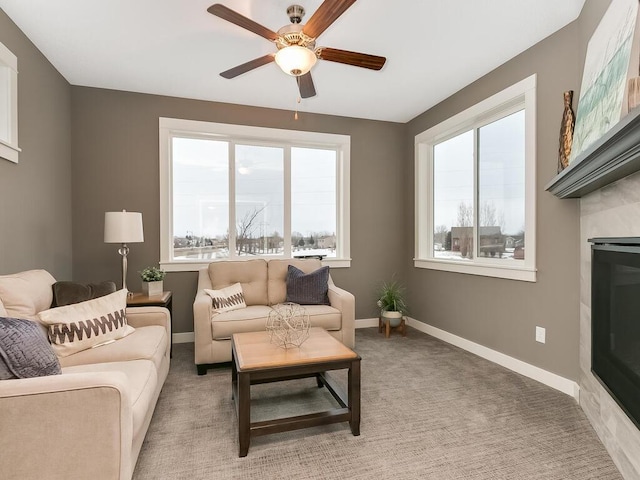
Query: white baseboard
pixel 552 380
pixel 185 337
pixel 366 322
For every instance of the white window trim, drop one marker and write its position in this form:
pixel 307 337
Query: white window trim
pixel 522 93
pixel 174 126
pixel 10 150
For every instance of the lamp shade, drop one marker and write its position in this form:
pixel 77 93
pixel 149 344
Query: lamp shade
pixel 295 60
pixel 123 227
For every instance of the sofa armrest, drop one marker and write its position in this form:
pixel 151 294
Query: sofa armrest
pixel 203 336
pixel 346 303
pixel 57 426
pixel 145 316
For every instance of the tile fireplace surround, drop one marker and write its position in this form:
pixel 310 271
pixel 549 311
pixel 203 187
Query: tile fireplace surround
pixel 611 211
pixel 606 178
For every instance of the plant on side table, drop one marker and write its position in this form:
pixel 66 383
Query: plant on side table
pixel 152 281
pixel 392 303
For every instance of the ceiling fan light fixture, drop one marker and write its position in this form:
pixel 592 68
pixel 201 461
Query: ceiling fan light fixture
pixel 295 60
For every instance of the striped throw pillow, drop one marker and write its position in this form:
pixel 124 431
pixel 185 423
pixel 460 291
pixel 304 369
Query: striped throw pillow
pixel 227 299
pixel 89 324
pixel 308 288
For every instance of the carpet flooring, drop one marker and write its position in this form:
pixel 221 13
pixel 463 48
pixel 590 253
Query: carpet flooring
pixel 429 411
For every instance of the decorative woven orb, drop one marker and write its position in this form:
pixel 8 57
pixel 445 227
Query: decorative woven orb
pixel 288 325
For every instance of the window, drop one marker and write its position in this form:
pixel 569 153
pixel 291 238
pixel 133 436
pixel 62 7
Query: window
pixel 475 188
pixel 232 192
pixel 8 105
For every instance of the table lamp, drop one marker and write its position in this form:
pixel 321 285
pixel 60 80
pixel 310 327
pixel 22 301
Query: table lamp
pixel 123 227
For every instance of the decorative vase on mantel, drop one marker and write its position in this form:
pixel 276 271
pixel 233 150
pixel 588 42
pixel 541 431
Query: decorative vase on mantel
pixel 566 132
pixel 153 288
pixel 633 93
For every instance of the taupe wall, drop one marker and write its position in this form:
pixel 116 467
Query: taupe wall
pixel 115 166
pixel 503 314
pixel 35 194
pixel 112 138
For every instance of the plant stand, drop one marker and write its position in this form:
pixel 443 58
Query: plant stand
pixel 384 323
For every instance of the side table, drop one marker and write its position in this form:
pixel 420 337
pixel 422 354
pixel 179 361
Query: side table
pixel 164 300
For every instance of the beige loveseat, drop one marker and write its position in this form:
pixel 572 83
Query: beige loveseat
pixel 90 421
pixel 263 284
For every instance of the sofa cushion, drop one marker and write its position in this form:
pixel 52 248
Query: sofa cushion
pixel 278 275
pixel 324 316
pixel 251 274
pixel 142 379
pixel 67 293
pixel 145 343
pixel 227 299
pixel 25 294
pixel 25 351
pixel 250 319
pixel 254 319
pixel 3 312
pixel 308 288
pixel 89 324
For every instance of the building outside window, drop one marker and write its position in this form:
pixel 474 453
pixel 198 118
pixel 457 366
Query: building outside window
pixel 475 188
pixel 232 192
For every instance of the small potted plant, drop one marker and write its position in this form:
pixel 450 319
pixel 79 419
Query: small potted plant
pixel 152 278
pixel 391 302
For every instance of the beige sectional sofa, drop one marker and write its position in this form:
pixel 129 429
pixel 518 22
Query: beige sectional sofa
pixel 263 284
pixel 90 421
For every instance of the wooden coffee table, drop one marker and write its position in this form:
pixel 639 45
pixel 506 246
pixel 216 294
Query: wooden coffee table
pixel 255 360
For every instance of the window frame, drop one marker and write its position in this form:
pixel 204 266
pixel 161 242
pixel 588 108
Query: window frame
pixel 521 95
pixel 9 150
pixel 243 134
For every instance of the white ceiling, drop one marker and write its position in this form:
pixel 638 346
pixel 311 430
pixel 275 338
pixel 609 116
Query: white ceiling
pixel 174 47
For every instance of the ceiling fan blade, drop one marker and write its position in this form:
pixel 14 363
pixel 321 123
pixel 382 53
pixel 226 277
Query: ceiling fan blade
pixel 305 85
pixel 234 17
pixel 325 15
pixel 245 67
pixel 356 59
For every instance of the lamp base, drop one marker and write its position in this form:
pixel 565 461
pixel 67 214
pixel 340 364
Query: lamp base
pixel 124 251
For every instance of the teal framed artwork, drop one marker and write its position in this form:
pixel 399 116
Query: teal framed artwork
pixel 608 65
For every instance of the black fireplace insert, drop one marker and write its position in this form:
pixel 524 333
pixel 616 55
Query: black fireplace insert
pixel 615 320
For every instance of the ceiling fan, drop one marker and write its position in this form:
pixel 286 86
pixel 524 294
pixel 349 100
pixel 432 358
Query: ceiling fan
pixel 296 43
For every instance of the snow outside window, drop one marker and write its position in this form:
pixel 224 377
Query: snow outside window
pixel 234 192
pixel 475 188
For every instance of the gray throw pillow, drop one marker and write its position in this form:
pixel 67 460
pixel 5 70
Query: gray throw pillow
pixel 308 288
pixel 68 293
pixel 25 350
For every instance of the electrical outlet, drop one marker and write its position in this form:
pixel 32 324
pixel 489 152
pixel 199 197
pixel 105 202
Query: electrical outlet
pixel 541 334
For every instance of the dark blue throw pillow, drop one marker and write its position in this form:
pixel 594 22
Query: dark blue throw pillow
pixel 308 288
pixel 25 350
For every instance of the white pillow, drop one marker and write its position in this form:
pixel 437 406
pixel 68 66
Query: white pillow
pixel 89 324
pixel 227 299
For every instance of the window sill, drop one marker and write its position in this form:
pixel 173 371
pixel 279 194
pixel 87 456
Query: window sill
pixel 9 152
pixel 524 274
pixel 187 266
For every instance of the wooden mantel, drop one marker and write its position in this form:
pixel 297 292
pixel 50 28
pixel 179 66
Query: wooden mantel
pixel 612 157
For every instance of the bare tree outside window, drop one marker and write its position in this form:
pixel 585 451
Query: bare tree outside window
pixel 489 217
pixel 245 231
pixel 440 237
pixel 465 221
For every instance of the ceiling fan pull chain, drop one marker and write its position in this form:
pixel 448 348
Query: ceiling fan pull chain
pixel 295 116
